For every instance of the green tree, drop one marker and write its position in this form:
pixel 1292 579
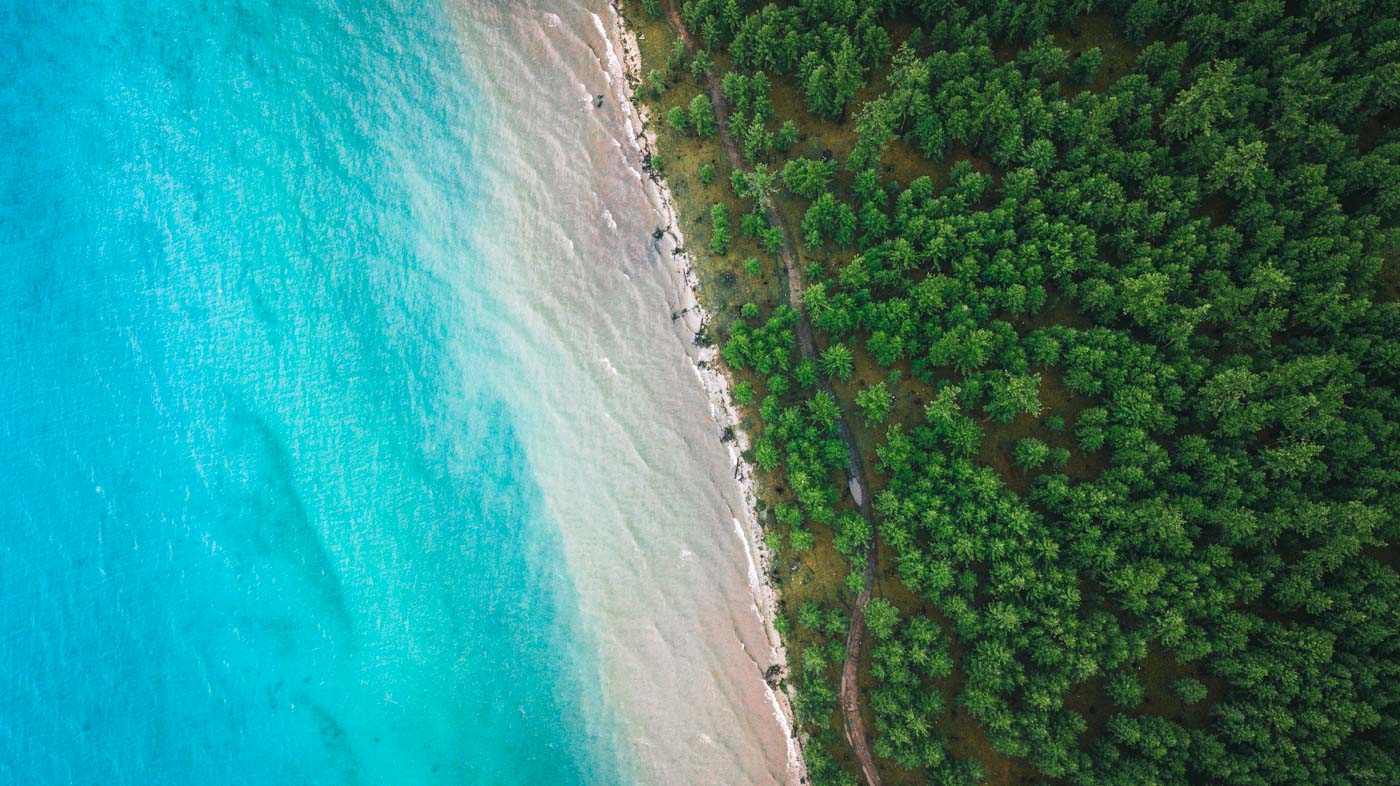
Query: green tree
pixel 758 140
pixel 829 84
pixel 1012 395
pixel 678 119
pixel 881 617
pixel 758 185
pixel 802 540
pixel 874 403
pixel 719 229
pixel 786 137
pixel 766 455
pixel 823 409
pixel 1031 453
pixel 1125 690
pixel 1043 58
pixel 1240 169
pixel 702 115
pixel 700 66
pixel 655 83
pixel 1190 691
pixel 838 361
pixel 676 60
pixel 1086 65
pixel 807 178
pixel 1215 97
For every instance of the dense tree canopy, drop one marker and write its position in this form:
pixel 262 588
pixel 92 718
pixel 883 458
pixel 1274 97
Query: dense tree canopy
pixel 1128 346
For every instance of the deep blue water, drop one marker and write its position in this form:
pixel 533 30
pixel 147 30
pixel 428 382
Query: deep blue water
pixel 263 515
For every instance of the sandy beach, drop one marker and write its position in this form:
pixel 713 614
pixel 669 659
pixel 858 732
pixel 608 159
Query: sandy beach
pixel 710 374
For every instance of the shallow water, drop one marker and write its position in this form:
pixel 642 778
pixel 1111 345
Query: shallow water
pixel 345 436
pixel 610 409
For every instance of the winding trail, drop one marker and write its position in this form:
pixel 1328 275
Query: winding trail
pixel 855 467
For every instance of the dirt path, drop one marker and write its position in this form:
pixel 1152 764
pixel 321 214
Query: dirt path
pixel 855 467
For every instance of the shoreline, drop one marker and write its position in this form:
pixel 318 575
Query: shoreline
pixel 713 379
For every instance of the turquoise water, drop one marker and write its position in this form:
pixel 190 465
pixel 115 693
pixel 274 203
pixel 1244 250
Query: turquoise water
pixel 264 514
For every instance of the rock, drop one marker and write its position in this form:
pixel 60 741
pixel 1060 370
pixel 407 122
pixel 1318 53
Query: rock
pixel 728 435
pixel 774 676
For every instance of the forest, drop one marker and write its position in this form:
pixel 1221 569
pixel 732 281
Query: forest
pixel 1105 291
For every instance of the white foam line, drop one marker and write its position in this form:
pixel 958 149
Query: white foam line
pixel 754 585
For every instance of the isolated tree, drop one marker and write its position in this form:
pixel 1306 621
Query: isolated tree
pixel 678 119
pixel 702 115
pixel 838 361
pixel 874 403
pixel 1031 453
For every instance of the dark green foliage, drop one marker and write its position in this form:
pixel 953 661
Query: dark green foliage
pixel 719 229
pixel 838 361
pixel 1086 65
pixel 853 534
pixel 1125 690
pixel 678 119
pixel 1031 453
pixel 675 62
pixel 1013 394
pixel 874 403
pixel 807 178
pixel 1189 690
pixel 881 616
pixel 700 67
pixel 702 115
pixel 655 83
pixel 758 184
pixel 1169 297
pixel 830 80
pixel 1043 60
pixel 743 394
pixel 829 219
pixel 786 137
pixel 802 540
pixel 823 410
pixel 905 703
